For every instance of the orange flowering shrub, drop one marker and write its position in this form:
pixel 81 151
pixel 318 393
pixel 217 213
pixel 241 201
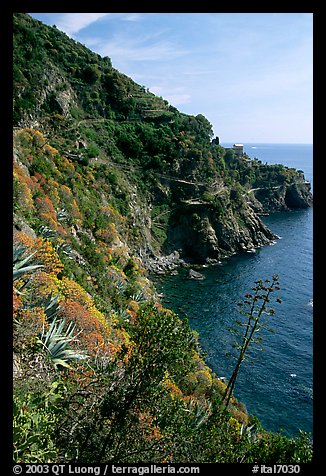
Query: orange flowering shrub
pixel 34 318
pixel 25 197
pixel 64 165
pixel 186 403
pixel 34 185
pixel 44 284
pixel 50 151
pixel 16 302
pixel 39 178
pixel 72 291
pixel 131 310
pixel 28 137
pixel 151 432
pixel 26 186
pixel 108 234
pixel 125 343
pixel 95 331
pixel 45 252
pixel 28 322
pixel 52 190
pixel 33 141
pixel 36 137
pixel 75 212
pixel 105 250
pixel 47 212
pixel 94 335
pixel 44 280
pixel 65 193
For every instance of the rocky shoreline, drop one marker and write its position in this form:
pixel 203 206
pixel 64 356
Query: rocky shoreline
pixel 169 264
pixel 198 236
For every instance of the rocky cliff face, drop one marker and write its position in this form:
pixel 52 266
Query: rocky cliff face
pixel 282 198
pixel 201 235
pixel 206 231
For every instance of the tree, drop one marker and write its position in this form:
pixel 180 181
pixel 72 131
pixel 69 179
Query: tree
pixel 256 305
pixel 91 73
pixel 229 155
pixel 204 125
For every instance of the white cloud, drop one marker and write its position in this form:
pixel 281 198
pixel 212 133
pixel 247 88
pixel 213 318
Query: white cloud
pixel 178 99
pixel 132 17
pixel 124 49
pixel 72 23
pixel 176 96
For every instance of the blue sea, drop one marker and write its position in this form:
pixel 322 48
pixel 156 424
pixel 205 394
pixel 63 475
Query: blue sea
pixel 275 383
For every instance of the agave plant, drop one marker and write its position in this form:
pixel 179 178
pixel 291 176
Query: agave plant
pixel 62 215
pixel 46 232
pixel 56 340
pixel 249 431
pixel 51 307
pixel 201 412
pixel 67 250
pixel 22 265
pixel 138 297
pixel 19 268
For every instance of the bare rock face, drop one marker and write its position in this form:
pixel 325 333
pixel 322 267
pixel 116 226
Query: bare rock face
pixel 298 195
pixel 202 235
pixel 20 225
pixel 203 232
pixel 294 195
pixel 195 275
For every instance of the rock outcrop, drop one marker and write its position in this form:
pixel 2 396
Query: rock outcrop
pixel 204 236
pixel 295 195
pixel 195 275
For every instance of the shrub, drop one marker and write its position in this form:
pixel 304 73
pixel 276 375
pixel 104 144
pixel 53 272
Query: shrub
pixel 91 73
pixel 33 431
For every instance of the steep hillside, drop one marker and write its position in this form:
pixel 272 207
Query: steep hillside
pixel 108 179
pixel 170 178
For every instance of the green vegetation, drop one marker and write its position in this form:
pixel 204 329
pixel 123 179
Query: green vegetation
pixel 102 372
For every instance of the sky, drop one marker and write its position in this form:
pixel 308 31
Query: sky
pixel 250 74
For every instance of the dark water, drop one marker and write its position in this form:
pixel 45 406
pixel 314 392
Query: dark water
pixel 276 383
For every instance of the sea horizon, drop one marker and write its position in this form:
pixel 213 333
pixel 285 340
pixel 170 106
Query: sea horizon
pixel 266 143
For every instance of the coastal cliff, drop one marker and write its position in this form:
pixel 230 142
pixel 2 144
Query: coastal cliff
pixel 204 235
pixel 178 189
pixel 111 182
pixel 286 197
pixel 210 222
